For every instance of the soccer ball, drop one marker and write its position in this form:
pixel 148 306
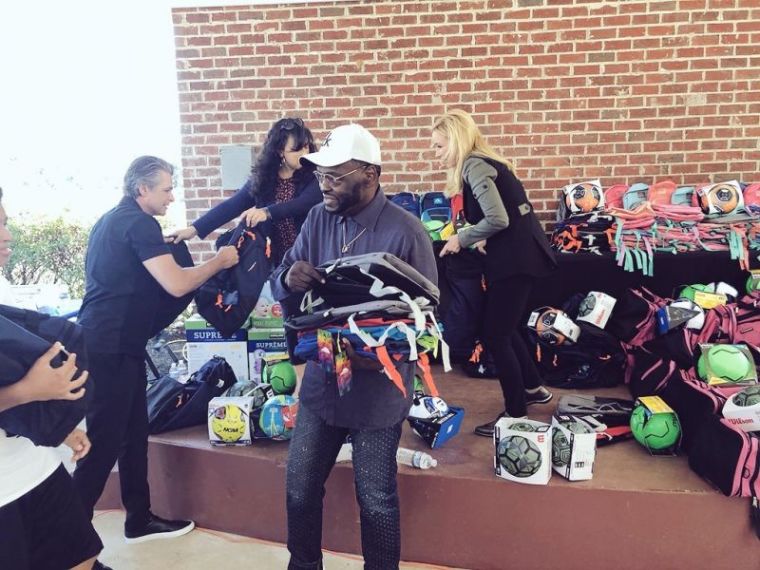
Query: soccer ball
pixel 519 456
pixel 278 417
pixel 698 320
pixel 560 449
pixel 748 397
pixel 583 198
pixel 521 426
pixel 426 407
pixel 688 291
pixel 228 423
pixel 545 327
pixel 587 305
pixel 719 198
pixel 281 376
pixel 727 362
pixel 655 431
pixel 260 394
pixel 561 445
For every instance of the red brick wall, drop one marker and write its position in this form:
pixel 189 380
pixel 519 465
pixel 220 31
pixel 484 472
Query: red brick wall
pixel 627 91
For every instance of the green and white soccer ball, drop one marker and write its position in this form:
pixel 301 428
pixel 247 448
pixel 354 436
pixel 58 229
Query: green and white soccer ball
pixel 750 396
pixel 561 449
pixel 521 426
pixel 519 456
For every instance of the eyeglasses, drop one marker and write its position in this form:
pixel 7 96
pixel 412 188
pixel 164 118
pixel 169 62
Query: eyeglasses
pixel 291 123
pixel 333 180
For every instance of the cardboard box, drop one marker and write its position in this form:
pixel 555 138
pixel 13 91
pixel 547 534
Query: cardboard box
pixel 205 343
pixel 520 455
pixel 573 448
pixel 264 345
pixel 267 314
pixel 596 308
pixel 437 431
pixel 746 418
pixel 229 420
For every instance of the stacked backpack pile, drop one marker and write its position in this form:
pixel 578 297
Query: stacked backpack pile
pixel 637 221
pixel 382 306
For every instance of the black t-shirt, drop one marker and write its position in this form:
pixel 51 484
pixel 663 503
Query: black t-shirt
pixel 121 298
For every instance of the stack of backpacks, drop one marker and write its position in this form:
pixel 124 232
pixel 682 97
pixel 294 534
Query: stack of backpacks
pixel 638 220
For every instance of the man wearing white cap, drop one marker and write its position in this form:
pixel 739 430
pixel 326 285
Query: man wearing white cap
pixel 354 218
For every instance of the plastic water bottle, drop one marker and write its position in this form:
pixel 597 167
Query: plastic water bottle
pixel 182 374
pixel 173 372
pixel 412 458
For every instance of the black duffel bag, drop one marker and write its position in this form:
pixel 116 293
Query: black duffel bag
pixel 174 405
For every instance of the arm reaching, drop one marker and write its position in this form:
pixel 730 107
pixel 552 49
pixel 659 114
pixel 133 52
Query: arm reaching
pixel 178 281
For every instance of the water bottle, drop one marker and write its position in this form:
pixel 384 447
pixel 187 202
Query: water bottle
pixel 418 459
pixel 182 374
pixel 173 372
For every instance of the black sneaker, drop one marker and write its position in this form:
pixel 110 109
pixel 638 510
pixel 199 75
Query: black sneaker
pixel 486 430
pixel 100 566
pixel 157 528
pixel 540 396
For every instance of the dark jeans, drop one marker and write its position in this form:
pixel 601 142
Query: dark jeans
pixel 506 301
pixel 311 456
pixel 117 425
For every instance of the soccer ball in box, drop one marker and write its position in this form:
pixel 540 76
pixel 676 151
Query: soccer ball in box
pixel 522 451
pixel 229 420
pixel 596 308
pixel 743 409
pixel 573 448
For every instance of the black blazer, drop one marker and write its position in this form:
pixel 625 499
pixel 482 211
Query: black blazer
pixel 521 248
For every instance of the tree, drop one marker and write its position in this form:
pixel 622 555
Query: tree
pixel 48 251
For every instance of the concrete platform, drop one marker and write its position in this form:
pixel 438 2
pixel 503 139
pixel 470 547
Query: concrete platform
pixel 637 512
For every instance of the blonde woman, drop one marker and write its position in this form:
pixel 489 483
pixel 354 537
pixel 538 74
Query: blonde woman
pixel 516 252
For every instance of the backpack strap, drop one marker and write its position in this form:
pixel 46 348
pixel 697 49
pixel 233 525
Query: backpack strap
pixel 427 376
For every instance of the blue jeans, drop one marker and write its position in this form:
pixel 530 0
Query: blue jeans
pixel 311 456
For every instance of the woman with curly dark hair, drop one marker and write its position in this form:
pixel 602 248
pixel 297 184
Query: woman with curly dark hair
pixel 278 194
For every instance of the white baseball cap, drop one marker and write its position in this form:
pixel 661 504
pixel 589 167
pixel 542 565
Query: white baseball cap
pixel 344 143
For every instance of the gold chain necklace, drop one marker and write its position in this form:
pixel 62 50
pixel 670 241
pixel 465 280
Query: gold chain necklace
pixel 347 246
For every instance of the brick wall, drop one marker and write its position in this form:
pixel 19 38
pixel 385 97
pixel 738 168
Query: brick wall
pixel 626 91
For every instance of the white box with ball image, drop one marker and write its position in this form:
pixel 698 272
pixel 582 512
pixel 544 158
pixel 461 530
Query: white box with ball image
pixel 523 451
pixel 229 420
pixel 743 409
pixel 573 448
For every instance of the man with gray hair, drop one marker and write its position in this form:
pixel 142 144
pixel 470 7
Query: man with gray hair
pixel 128 264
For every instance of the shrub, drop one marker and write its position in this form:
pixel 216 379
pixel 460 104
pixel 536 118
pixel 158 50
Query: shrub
pixel 48 251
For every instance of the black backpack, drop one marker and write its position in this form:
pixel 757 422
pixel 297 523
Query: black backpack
pixel 24 337
pixel 174 405
pixel 227 299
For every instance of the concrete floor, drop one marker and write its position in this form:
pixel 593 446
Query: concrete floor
pixel 203 549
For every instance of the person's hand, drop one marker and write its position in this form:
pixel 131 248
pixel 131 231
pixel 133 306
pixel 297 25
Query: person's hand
pixel 360 362
pixel 181 235
pixel 79 443
pixel 480 246
pixel 302 276
pixel 43 382
pixel 254 216
pixel 452 246
pixel 227 256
